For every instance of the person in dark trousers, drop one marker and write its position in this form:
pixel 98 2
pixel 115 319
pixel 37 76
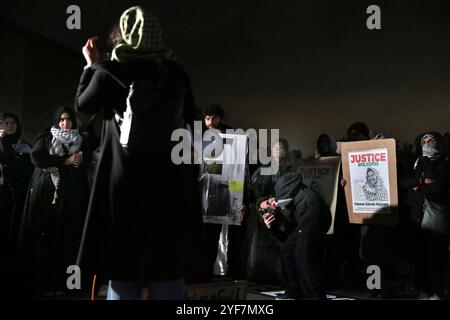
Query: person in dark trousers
pixel 6 196
pixel 213 116
pixel 347 235
pixel 263 260
pixel 143 227
pixel 301 224
pixel 20 171
pixel 55 208
pixel 326 146
pixel 429 200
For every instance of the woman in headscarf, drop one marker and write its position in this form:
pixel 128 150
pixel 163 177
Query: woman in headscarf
pixel 326 146
pixel 55 207
pixel 430 211
pixel 20 170
pixel 6 197
pixel 374 189
pixel 144 220
pixel 6 200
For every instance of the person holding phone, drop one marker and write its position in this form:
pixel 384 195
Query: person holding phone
pixel 301 224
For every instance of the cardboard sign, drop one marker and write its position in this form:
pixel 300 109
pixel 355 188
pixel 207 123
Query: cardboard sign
pixel 228 290
pixel 322 176
pixel 369 169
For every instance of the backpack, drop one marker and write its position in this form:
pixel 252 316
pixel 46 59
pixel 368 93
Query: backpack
pixel 154 108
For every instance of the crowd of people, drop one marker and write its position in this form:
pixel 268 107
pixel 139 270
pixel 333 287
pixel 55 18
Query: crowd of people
pixel 136 220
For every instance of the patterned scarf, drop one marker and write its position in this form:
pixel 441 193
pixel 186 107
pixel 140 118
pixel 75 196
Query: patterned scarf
pixel 429 149
pixel 64 142
pixel 377 192
pixel 142 37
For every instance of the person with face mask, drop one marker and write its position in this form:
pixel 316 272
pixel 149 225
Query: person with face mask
pixel 430 211
pixel 55 208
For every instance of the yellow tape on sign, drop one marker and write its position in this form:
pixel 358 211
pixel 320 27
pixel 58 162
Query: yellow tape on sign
pixel 236 186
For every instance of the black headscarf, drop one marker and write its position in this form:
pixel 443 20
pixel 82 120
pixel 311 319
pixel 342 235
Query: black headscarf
pixel 15 137
pixel 328 148
pixel 59 112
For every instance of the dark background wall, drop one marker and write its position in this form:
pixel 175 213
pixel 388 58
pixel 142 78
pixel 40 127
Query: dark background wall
pixel 305 67
pixel 38 75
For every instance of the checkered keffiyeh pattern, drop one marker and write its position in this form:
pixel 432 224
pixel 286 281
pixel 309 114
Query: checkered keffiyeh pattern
pixel 142 37
pixel 70 139
pixel 63 141
pixel 377 192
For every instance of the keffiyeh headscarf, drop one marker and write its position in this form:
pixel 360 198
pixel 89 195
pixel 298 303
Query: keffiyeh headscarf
pixel 64 142
pixel 142 37
pixel 377 192
pixel 431 148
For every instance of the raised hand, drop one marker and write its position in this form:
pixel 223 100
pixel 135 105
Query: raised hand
pixel 90 52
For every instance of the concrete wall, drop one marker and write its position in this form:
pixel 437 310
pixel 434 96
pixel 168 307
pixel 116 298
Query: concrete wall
pixel 37 76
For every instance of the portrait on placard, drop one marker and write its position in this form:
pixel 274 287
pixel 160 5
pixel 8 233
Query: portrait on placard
pixel 369 176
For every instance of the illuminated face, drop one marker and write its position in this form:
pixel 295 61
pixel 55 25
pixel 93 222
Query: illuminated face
pixel 427 139
pixel 212 122
pixel 65 123
pixel 278 151
pixel 372 178
pixel 10 126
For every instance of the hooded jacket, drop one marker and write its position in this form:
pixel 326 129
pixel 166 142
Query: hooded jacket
pixel 306 213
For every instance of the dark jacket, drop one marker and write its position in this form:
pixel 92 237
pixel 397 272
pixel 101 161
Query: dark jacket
pixel 144 218
pixel 50 233
pixel 6 159
pixel 19 172
pixel 264 185
pixel 6 200
pixel 306 213
pixel 438 192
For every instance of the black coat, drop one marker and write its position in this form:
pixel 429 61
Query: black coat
pixel 306 213
pixel 50 233
pixel 19 172
pixel 438 192
pixel 6 200
pixel 144 220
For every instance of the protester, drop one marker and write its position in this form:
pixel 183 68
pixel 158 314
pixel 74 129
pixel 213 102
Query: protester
pixel 301 224
pixel 55 207
pixel 144 220
pixel 20 171
pixel 263 260
pixel 430 210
